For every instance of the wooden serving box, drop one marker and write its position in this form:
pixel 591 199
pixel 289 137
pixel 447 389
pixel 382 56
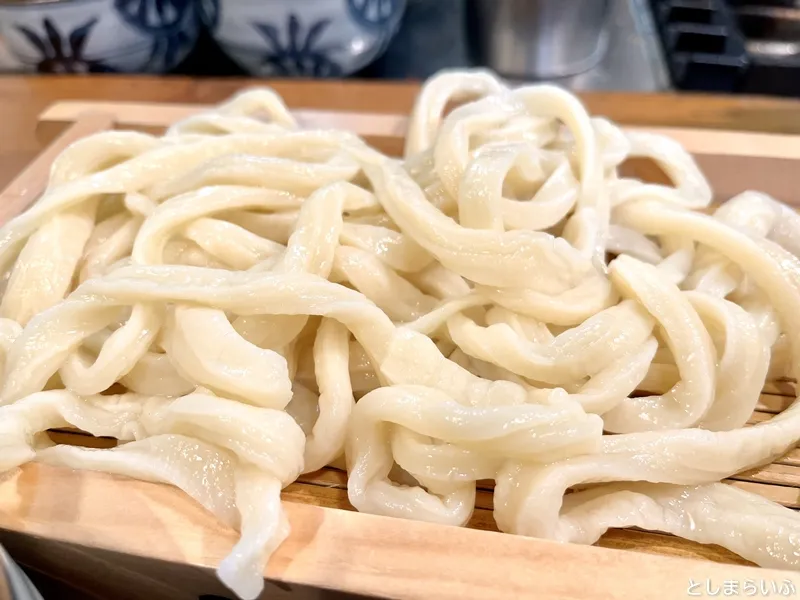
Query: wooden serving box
pixel 112 537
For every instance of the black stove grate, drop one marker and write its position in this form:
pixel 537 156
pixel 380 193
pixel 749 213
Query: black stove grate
pixel 748 46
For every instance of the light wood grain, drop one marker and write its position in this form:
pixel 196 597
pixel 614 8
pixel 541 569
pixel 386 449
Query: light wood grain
pixel 697 141
pixel 758 417
pixel 774 403
pixel 29 184
pixel 774 474
pixel 344 550
pixel 791 458
pixel 150 115
pixel 787 496
pixel 781 388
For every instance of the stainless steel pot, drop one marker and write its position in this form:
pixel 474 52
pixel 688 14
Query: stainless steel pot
pixel 540 39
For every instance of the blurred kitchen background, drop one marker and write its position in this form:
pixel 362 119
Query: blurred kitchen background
pixel 729 46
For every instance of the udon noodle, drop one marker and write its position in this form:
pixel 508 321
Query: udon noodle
pixel 241 301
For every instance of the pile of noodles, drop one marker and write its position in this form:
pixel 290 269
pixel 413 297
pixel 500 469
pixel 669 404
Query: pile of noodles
pixel 241 301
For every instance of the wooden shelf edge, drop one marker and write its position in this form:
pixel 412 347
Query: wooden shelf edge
pixel 26 187
pixel 343 550
pixel 697 141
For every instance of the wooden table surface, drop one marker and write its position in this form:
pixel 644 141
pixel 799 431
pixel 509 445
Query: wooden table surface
pixel 22 99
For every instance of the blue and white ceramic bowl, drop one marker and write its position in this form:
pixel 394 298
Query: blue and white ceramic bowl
pixel 303 38
pixel 90 36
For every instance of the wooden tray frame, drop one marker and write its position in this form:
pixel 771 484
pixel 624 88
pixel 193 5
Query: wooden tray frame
pixel 121 538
